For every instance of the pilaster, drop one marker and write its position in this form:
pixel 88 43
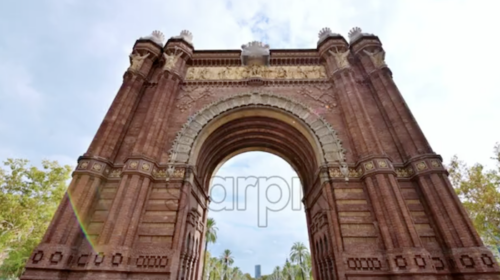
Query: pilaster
pixel 368 50
pixel 396 227
pixel 106 142
pixel 463 247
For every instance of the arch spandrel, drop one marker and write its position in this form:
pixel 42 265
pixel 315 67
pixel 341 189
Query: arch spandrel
pixel 330 146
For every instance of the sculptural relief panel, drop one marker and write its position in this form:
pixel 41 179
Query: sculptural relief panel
pixel 266 72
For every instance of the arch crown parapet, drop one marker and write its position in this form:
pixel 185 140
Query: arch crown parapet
pixel 327 137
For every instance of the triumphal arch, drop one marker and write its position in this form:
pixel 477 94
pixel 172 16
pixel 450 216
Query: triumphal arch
pixel 379 204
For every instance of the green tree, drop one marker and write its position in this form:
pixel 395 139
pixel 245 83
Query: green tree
pixel 227 260
pixel 298 254
pixel 210 236
pixel 479 191
pixel 29 196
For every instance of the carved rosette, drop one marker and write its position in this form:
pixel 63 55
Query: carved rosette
pixel 362 169
pixel 331 145
pixel 93 166
pixel 139 165
pixel 419 167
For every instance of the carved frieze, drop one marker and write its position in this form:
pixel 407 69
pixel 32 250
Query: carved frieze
pixel 265 72
pixel 336 173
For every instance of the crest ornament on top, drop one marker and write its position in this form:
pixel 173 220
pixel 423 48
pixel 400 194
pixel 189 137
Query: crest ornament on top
pixel 324 33
pixel 156 36
pixel 186 35
pixel 355 33
pixel 255 53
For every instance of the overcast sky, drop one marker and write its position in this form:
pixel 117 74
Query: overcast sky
pixel 62 61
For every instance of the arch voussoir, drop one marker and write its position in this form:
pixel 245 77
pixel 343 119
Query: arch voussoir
pixel 326 136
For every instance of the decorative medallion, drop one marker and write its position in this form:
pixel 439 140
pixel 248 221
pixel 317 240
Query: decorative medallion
pixel 369 165
pixel 382 164
pixel 84 165
pixel 133 164
pixel 435 163
pixel 145 166
pixel 96 167
pixel 421 166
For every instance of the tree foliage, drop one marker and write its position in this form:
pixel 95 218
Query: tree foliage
pixel 299 268
pixel 29 197
pixel 479 191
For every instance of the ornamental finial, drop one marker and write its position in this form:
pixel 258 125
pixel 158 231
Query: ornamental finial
pixel 155 36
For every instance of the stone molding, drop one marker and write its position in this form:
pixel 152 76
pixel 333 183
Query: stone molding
pixel 417 166
pixel 331 146
pixel 132 166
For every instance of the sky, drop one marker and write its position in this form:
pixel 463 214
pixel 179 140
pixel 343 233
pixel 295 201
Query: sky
pixel 62 61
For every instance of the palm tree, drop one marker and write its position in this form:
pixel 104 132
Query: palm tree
pixel 276 275
pixel 220 271
pixel 227 259
pixel 210 236
pixel 235 274
pixel 297 255
pixel 210 264
pixel 307 265
pixel 289 271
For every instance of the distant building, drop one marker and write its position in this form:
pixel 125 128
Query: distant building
pixel 257 271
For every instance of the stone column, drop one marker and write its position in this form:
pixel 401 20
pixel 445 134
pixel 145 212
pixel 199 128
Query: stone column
pixel 396 225
pixel 132 184
pixel 135 187
pixel 173 69
pixel 367 48
pixel 464 246
pixel 69 223
pixel 106 142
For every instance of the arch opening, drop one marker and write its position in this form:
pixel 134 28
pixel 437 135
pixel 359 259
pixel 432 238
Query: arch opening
pixel 253 235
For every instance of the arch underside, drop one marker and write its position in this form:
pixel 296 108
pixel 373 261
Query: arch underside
pixel 257 121
pixel 257 133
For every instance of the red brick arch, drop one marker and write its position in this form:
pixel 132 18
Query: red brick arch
pixel 396 216
pixel 297 122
